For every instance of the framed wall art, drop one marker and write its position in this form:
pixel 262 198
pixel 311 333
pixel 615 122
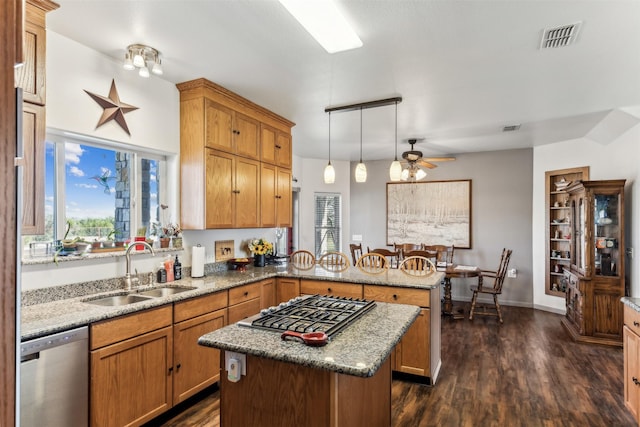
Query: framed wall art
pixel 224 250
pixel 430 212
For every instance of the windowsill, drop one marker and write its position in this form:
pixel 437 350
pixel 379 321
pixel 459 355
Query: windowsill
pixel 28 260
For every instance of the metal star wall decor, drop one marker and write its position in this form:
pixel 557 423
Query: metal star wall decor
pixel 114 109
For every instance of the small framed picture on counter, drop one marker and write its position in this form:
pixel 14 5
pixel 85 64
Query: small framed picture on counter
pixel 225 249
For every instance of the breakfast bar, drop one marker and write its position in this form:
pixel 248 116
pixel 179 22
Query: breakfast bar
pixel 287 383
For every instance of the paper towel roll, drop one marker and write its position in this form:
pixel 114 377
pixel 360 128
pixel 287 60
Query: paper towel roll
pixel 197 261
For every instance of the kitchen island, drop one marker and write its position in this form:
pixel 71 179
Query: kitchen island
pixel 345 383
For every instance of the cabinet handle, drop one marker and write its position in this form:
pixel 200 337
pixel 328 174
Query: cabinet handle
pixel 178 366
pixel 278 146
pixel 246 294
pixel 635 381
pixel 329 290
pixel 395 296
pixel 170 371
pixel 636 324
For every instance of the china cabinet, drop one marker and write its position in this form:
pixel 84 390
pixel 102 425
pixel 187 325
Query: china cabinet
pixel 558 226
pixel 595 278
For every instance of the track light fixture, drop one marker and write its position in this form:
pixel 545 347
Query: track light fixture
pixel 144 58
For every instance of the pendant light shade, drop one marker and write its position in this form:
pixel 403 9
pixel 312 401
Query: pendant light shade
pixel 361 169
pixel 329 171
pixel 395 170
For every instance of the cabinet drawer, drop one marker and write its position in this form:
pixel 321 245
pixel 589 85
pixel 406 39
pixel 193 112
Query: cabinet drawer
pixel 244 310
pixel 125 327
pixel 197 306
pixel 349 290
pixel 632 319
pixel 244 293
pixel 398 295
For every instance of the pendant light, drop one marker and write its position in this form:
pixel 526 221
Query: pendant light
pixel 361 169
pixel 395 170
pixel 329 171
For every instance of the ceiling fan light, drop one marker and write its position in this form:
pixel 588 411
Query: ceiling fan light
pixel 395 171
pixel 404 175
pixel 329 174
pixel 420 174
pixel 361 172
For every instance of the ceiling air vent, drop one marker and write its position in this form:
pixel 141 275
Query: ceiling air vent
pixel 510 128
pixel 559 36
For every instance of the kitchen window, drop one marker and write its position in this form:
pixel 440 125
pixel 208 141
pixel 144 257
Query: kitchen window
pixel 328 222
pixel 100 189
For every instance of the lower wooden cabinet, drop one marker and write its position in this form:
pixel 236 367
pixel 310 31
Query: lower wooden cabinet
pixel 287 289
pixel 322 287
pixel 631 344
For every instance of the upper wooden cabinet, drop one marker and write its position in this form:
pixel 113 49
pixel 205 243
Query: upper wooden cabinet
pixel 275 196
pixel 30 76
pixel 220 190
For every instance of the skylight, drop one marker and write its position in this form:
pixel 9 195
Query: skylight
pixel 325 23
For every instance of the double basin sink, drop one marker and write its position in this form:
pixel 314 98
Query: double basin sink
pixel 138 296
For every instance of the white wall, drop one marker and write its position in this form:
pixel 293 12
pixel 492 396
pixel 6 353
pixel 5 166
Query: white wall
pixel 501 214
pixel 618 159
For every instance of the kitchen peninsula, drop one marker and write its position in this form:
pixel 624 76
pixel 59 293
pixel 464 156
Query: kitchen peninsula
pixel 287 383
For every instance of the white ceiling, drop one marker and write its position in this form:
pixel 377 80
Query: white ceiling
pixel 463 68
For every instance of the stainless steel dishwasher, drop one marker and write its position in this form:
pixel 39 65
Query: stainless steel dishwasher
pixel 54 380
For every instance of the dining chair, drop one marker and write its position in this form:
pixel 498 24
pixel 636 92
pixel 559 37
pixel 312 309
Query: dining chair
pixel 444 253
pixel 372 263
pixel 303 259
pixel 403 248
pixel 334 261
pixel 356 252
pixel 393 257
pixel 417 266
pixel 498 279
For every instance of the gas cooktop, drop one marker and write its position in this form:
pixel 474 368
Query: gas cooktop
pixel 310 313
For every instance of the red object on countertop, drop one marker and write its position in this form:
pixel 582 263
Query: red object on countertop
pixel 168 266
pixel 139 239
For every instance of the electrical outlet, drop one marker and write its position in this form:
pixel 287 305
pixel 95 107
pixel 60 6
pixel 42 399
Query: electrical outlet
pixel 235 364
pixel 512 272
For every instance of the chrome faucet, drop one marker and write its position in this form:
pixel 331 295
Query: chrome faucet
pixel 128 281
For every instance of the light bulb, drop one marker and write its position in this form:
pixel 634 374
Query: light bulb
pixel 329 174
pixel 395 171
pixel 144 72
pixel 420 174
pixel 157 68
pixel 405 174
pixel 138 60
pixel 128 64
pixel 361 172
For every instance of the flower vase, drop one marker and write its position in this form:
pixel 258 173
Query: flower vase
pixel 258 260
pixel 164 242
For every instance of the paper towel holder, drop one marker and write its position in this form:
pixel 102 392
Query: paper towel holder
pixel 197 261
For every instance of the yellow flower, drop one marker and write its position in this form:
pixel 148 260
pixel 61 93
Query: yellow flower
pixel 260 247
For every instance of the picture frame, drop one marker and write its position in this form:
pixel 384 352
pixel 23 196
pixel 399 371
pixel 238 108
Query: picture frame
pixel 430 212
pixel 224 250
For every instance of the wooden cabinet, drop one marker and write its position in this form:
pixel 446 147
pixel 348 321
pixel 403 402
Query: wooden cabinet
pixel 322 287
pixel 131 368
pixel 31 78
pixel 244 301
pixel 558 231
pixel 275 197
pixel 220 158
pixel 418 353
pixel 287 289
pixel 268 293
pixel 232 191
pixel 595 278
pixel 631 340
pixel 193 370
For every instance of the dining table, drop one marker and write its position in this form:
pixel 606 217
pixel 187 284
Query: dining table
pixel 453 271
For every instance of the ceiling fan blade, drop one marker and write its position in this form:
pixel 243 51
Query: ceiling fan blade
pixel 425 164
pixel 438 159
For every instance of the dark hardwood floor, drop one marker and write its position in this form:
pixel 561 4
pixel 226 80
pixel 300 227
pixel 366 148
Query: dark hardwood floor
pixel 526 372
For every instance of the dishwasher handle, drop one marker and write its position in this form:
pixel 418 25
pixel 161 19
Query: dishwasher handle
pixel 29 349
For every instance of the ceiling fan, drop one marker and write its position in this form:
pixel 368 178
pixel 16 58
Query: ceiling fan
pixel 413 159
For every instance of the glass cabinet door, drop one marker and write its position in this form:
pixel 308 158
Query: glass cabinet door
pixel 579 233
pixel 606 234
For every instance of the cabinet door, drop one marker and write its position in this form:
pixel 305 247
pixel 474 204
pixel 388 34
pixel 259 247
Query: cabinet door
pixel 131 380
pixel 287 289
pixel 243 310
pixel 220 197
pixel 33 131
pixel 31 75
pixel 247 193
pixel 283 198
pixel 631 343
pixel 268 191
pixel 412 353
pixel 283 147
pixel 607 309
pixel 218 127
pixel 268 144
pixel 246 133
pixel 322 287
pixel 268 295
pixel 195 367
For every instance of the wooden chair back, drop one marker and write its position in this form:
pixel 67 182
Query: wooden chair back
pixel 356 252
pixel 334 261
pixel 444 253
pixel 417 266
pixel 393 257
pixel 498 279
pixel 501 272
pixel 372 263
pixel 303 259
pixel 403 248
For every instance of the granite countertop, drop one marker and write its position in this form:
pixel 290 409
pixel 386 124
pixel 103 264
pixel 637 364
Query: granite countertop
pixel 55 316
pixel 360 349
pixel 633 303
